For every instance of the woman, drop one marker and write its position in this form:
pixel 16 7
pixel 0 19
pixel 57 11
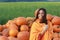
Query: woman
pixel 41 28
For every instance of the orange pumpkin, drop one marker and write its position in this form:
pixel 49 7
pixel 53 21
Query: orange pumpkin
pixel 8 23
pixel 30 18
pixel 13 26
pixel 29 21
pixel 12 38
pixel 55 35
pixel 56 20
pixel 23 35
pixel 1 28
pixel 3 38
pixel 4 26
pixel 13 32
pixel 49 17
pixel 21 21
pixel 5 32
pixel 56 28
pixel 24 28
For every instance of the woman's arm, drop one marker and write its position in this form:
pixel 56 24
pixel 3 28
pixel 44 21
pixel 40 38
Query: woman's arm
pixel 44 29
pixel 42 33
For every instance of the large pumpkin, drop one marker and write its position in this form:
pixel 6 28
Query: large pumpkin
pixel 21 21
pixel 55 35
pixel 56 28
pixel 23 35
pixel 3 38
pixel 56 20
pixel 49 17
pixel 24 28
pixel 13 32
pixel 5 32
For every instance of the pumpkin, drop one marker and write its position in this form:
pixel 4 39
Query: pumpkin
pixel 8 23
pixel 30 18
pixel 12 38
pixel 3 38
pixel 1 28
pixel 55 35
pixel 29 21
pixel 13 32
pixel 49 17
pixel 21 21
pixel 13 26
pixel 56 39
pixel 5 32
pixel 36 12
pixel 56 20
pixel 24 28
pixel 4 26
pixel 56 28
pixel 23 35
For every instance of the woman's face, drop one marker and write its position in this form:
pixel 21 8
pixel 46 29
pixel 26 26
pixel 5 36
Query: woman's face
pixel 41 14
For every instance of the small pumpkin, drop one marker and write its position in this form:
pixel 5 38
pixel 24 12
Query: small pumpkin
pixel 49 17
pixel 56 20
pixel 5 32
pixel 56 28
pixel 23 35
pixel 24 28
pixel 55 35
pixel 13 32
pixel 3 38
pixel 8 23
pixel 4 26
pixel 21 21
pixel 12 38
pixel 13 26
pixel 30 21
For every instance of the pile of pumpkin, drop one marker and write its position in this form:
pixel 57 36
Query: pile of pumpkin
pixel 19 28
pixel 55 20
pixel 16 29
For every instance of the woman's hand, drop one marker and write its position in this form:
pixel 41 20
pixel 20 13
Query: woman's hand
pixel 44 29
pixel 42 33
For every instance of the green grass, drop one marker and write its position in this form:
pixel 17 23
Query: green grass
pixel 10 10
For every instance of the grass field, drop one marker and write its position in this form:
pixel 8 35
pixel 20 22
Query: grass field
pixel 10 10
